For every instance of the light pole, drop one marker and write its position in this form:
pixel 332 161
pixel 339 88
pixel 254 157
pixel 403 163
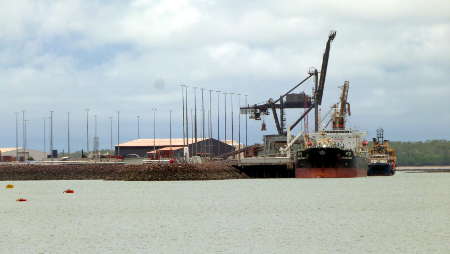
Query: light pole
pixel 25 139
pixel 45 135
pixel 118 133
pixel 225 130
pixel 218 120
pixel 138 123
pixel 232 120
pixel 154 130
pixel 24 136
pixel 187 117
pixel 195 120
pixel 184 120
pixel 68 133
pixel 87 132
pixel 239 124
pixel 192 133
pixel 111 133
pixel 17 136
pixel 246 118
pixel 96 139
pixel 210 124
pixel 202 147
pixel 51 134
pixel 170 128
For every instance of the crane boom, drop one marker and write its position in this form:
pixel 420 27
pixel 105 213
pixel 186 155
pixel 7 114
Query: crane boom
pixel 290 100
pixel 344 97
pixel 323 70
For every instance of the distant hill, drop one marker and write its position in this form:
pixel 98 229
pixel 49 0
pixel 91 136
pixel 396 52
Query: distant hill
pixel 431 152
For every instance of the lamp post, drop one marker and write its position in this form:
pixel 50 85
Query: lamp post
pixel 195 120
pixel 246 118
pixel 68 133
pixel 202 147
pixel 232 120
pixel 45 135
pixel 17 136
pixel 170 129
pixel 239 125
pixel 225 124
pixel 184 120
pixel 118 133
pixel 24 136
pixel 96 139
pixel 51 134
pixel 210 123
pixel 154 130
pixel 138 127
pixel 87 131
pixel 111 133
pixel 25 139
pixel 218 120
pixel 187 116
pixel 191 151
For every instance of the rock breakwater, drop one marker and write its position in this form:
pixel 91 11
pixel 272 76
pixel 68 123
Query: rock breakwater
pixel 123 172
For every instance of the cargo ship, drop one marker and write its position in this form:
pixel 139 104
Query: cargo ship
pixel 326 152
pixel 335 153
pixel 382 157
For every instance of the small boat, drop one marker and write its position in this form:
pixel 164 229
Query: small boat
pixel 382 157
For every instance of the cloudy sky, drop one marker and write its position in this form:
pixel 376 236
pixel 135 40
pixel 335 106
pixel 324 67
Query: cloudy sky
pixel 109 55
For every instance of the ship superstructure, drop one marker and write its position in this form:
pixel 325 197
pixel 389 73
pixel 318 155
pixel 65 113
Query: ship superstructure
pixel 382 157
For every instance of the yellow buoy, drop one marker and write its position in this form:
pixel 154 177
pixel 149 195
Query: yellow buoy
pixel 9 186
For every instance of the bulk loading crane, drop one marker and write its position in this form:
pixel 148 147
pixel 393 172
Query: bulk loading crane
pixel 295 100
pixel 340 110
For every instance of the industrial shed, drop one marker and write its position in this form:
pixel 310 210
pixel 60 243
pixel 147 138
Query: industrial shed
pixel 203 147
pixel 9 154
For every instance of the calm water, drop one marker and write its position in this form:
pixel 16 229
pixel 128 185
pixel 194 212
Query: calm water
pixel 407 213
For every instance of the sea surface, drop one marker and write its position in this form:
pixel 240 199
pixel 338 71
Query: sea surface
pixel 406 213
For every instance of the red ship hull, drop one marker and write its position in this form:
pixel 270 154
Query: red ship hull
pixel 330 172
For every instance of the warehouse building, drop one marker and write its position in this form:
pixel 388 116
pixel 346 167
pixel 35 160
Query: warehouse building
pixel 167 148
pixel 10 154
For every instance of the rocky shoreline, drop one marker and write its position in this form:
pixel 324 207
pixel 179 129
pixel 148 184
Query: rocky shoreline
pixel 424 169
pixel 121 172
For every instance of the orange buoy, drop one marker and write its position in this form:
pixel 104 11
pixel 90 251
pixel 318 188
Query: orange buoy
pixel 9 186
pixel 69 191
pixel 21 200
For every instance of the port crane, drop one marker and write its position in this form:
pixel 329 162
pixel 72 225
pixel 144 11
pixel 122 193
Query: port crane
pixel 291 100
pixel 341 110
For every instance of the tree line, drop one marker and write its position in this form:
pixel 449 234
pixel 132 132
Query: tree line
pixel 422 153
